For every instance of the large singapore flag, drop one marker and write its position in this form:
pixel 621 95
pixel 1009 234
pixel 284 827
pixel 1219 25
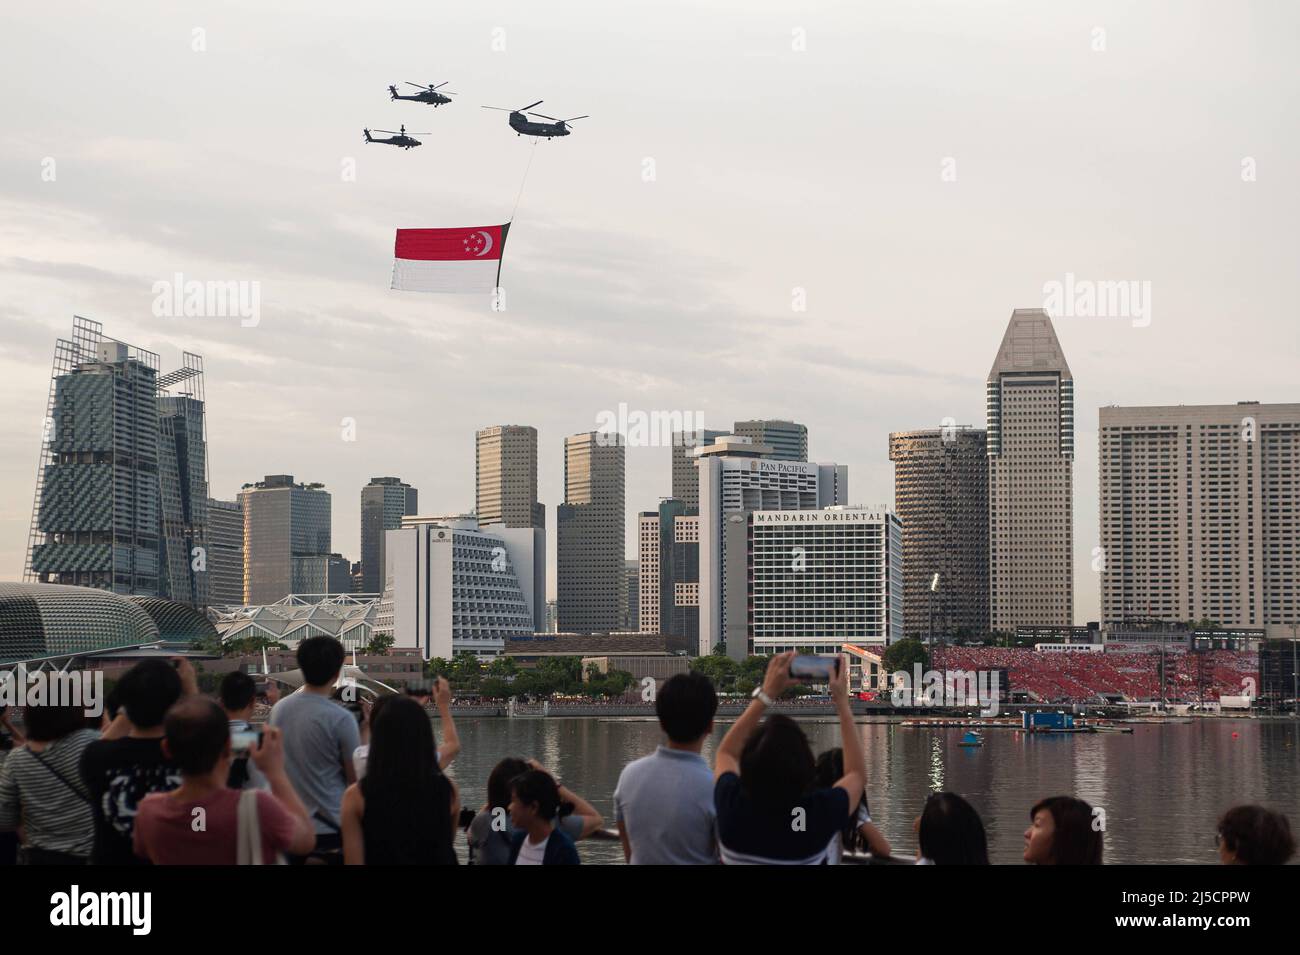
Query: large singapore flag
pixel 449 260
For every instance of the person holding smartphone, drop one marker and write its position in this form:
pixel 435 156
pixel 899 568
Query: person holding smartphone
pixel 440 692
pixel 770 811
pixel 238 699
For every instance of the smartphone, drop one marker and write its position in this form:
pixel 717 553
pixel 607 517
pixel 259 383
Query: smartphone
pixel 241 741
pixel 419 688
pixel 814 669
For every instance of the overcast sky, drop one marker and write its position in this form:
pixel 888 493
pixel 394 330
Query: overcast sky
pixel 794 146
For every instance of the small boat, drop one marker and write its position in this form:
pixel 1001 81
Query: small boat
pixel 971 739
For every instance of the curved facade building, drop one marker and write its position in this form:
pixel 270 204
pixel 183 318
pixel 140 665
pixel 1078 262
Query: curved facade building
pixel 176 622
pixel 50 620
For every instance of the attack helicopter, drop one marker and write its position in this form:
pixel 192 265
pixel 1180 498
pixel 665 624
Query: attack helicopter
pixel 400 139
pixel 428 94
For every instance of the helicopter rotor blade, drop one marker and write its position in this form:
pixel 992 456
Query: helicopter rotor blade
pixel 531 105
pixel 416 85
pixel 575 117
pixel 544 116
pixel 502 108
pixel 393 131
pixel 443 83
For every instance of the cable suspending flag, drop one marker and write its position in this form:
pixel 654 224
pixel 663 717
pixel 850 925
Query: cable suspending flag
pixel 466 259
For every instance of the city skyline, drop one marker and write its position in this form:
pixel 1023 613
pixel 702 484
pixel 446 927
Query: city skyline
pixel 670 293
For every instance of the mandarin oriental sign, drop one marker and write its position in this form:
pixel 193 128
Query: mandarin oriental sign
pixel 815 517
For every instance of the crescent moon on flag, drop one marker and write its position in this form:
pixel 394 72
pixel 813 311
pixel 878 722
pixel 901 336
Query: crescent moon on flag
pixel 487 238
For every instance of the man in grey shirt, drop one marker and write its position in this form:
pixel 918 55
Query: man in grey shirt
pixel 319 738
pixel 664 802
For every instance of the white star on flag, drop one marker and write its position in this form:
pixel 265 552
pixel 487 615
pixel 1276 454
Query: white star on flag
pixel 427 260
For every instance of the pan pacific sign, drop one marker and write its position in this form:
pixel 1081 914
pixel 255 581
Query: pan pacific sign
pixel 772 467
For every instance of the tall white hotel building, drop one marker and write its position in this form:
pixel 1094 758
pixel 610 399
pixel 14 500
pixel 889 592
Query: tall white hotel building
pixel 737 475
pixel 456 586
pixel 1200 514
pixel 820 579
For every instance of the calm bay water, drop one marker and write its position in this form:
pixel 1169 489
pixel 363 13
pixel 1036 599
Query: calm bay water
pixel 1163 787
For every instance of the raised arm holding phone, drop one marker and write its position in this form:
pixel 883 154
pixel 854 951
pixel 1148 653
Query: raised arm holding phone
pixel 768 806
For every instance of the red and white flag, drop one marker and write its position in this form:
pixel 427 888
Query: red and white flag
pixel 466 259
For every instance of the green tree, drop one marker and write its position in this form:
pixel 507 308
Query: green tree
pixel 465 672
pixel 720 670
pixel 562 674
pixel 503 666
pixel 211 646
pixel 246 645
pixel 752 671
pixel 378 645
pixel 904 654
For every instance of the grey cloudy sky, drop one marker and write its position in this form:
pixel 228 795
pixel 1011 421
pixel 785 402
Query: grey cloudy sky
pixel 775 168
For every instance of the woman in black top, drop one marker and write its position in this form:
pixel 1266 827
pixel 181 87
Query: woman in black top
pixel 404 811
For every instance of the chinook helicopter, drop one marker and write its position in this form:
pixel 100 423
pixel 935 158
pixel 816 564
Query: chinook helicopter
pixel 400 139
pixel 522 127
pixel 428 94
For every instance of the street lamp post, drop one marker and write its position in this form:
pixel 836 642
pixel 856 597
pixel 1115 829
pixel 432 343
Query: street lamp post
pixel 1295 697
pixel 934 586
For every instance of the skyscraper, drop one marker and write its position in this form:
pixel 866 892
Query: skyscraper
pixel 817 579
pixel 941 495
pixel 648 571
pixel 320 574
pixel 788 440
pixel 631 600
pixel 1200 514
pixel 460 587
pixel 590 588
pixel 1030 441
pixel 384 502
pixel 282 520
pixel 737 475
pixel 121 492
pixel 686 480
pixel 670 571
pixel 505 476
pixel 225 552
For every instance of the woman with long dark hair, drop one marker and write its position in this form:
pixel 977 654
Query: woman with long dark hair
pixel 404 811
pixel 1062 831
pixel 860 833
pixel 770 810
pixel 489 832
pixel 949 832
